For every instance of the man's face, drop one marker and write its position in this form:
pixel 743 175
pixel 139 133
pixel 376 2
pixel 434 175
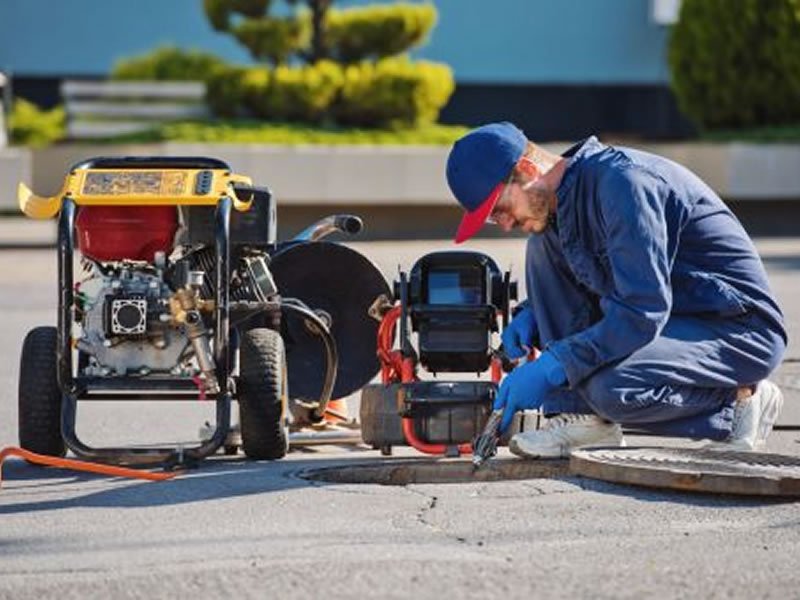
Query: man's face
pixel 526 205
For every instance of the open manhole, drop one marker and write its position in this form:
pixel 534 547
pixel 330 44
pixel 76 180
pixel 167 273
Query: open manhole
pixel 443 470
pixel 698 470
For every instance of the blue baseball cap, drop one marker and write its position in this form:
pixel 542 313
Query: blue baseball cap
pixel 477 167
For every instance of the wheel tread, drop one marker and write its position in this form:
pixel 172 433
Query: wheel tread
pixel 262 391
pixel 39 399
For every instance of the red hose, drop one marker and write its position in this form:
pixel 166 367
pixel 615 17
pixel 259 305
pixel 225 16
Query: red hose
pixel 79 465
pixel 391 360
pixel 398 368
pixel 418 444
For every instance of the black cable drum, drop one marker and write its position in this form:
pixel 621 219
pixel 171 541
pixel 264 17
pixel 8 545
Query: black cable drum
pixel 342 283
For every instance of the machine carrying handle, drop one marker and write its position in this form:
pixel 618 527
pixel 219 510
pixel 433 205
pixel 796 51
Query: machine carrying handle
pixel 344 223
pixel 37 207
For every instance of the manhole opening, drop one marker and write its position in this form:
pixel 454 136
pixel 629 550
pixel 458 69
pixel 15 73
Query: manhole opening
pixel 408 471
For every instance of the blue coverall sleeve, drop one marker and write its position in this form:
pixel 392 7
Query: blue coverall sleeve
pixel 636 306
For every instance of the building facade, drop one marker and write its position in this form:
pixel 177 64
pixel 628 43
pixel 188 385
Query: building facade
pixel 561 69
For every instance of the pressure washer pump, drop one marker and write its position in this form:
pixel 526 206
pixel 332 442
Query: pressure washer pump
pixel 452 301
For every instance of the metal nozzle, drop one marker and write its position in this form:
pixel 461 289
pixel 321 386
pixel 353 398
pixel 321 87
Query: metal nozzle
pixel 485 445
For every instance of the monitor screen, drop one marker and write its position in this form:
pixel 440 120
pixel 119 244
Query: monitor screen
pixel 455 287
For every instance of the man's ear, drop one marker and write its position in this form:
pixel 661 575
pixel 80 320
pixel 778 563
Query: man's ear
pixel 528 168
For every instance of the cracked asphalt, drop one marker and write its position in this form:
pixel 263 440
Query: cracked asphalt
pixel 235 528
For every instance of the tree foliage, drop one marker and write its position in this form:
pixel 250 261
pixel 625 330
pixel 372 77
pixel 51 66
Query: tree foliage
pixel 736 63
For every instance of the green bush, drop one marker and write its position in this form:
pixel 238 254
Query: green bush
pixel 274 39
pixel 301 93
pixel 219 11
pixel 259 132
pixel 254 89
pixel 284 93
pixel 225 88
pixel 31 126
pixel 394 92
pixel 168 63
pixel 736 63
pixel 378 31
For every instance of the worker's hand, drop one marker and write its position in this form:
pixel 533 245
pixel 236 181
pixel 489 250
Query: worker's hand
pixel 526 386
pixel 518 337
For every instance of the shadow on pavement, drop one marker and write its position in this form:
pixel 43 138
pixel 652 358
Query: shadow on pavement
pixel 213 479
pixel 221 478
pixel 699 499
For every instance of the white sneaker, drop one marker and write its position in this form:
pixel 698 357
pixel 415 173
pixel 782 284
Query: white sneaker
pixel 753 419
pixel 561 434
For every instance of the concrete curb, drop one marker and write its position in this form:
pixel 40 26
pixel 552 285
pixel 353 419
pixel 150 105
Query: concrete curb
pixel 397 175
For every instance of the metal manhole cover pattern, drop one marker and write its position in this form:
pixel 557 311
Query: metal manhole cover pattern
pixel 405 472
pixel 700 470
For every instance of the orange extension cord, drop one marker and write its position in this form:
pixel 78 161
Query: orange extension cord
pixel 79 465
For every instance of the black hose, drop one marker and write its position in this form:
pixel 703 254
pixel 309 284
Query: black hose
pixel 320 328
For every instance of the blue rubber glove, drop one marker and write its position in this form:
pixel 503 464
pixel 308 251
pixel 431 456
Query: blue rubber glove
pixel 527 385
pixel 519 335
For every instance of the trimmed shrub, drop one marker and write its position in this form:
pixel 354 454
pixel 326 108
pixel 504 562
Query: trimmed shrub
pixel 274 39
pixel 280 94
pixel 378 31
pixel 225 91
pixel 167 63
pixel 219 11
pixel 737 63
pixel 299 93
pixel 394 92
pixel 255 87
pixel 31 126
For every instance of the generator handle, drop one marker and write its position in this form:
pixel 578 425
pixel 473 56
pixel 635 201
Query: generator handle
pixel 343 223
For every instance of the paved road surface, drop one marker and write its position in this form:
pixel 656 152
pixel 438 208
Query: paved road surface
pixel 234 528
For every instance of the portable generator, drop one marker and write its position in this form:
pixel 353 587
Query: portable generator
pixel 452 301
pixel 184 293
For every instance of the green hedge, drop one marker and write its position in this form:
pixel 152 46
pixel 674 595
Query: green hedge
pixel 301 93
pixel 273 39
pixel 394 92
pixel 378 31
pixel 219 11
pixel 281 94
pixel 225 87
pixel 736 63
pixel 31 126
pixel 168 63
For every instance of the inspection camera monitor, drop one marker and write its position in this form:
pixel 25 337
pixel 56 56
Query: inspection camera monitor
pixel 454 301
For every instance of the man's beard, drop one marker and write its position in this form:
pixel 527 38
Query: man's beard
pixel 539 203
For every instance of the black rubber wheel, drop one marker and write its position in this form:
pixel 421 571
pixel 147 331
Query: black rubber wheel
pixel 39 396
pixel 263 394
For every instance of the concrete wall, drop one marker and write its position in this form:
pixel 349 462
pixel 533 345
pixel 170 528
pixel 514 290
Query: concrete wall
pixel 409 175
pixel 401 191
pixel 16 164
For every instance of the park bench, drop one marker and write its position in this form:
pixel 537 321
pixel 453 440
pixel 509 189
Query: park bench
pixel 99 109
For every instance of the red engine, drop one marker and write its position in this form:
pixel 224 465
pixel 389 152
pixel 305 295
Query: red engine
pixel 108 233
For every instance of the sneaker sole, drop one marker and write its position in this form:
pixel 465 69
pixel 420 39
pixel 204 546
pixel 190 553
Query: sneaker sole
pixel 773 402
pixel 563 451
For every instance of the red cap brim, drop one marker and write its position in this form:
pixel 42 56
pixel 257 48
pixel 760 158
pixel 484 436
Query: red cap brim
pixel 472 222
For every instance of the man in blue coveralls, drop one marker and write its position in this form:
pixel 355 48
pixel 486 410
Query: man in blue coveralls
pixel 648 298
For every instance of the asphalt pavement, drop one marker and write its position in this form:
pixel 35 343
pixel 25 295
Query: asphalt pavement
pixel 236 528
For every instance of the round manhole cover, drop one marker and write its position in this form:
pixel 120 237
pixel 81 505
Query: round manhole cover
pixel 404 472
pixel 699 470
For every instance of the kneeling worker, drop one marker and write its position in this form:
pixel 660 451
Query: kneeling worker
pixel 648 298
